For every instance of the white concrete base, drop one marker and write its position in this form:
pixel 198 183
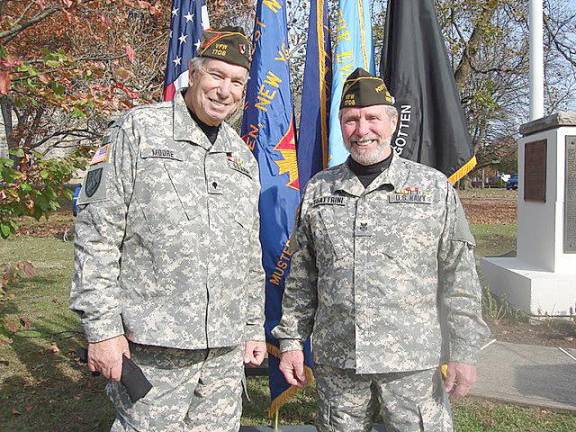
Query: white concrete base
pixel 530 289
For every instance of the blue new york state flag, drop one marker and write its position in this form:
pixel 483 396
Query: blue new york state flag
pixel 268 129
pixel 353 48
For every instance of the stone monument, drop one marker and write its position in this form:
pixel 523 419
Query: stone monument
pixel 541 279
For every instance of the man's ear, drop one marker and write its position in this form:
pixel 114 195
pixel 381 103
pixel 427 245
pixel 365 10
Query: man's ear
pixel 191 73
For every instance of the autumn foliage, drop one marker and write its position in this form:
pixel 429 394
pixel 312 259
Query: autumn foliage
pixel 67 67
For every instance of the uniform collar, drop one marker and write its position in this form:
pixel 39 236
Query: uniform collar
pixel 395 176
pixel 186 129
pixel 347 181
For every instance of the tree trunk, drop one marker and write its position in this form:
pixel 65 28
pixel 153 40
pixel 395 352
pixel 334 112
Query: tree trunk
pixel 464 68
pixel 7 126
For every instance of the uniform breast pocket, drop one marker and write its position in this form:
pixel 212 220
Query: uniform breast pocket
pixel 331 234
pixel 409 233
pixel 163 191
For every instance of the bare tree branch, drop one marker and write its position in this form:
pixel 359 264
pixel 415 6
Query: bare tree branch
pixel 8 35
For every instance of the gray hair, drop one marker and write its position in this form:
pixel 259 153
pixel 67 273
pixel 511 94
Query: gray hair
pixel 392 112
pixel 197 63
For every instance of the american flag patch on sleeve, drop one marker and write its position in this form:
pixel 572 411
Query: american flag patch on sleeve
pixel 101 155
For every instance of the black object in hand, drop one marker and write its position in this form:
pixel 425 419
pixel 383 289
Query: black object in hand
pixel 132 377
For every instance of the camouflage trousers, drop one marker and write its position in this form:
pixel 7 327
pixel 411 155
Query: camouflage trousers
pixel 193 391
pixel 404 402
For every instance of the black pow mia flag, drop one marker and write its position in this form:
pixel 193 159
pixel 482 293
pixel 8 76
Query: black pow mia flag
pixel 415 66
pixel 93 179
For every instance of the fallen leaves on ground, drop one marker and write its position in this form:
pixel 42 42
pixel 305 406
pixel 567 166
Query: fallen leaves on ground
pixel 545 333
pixel 54 348
pixel 26 323
pixel 11 323
pixel 489 211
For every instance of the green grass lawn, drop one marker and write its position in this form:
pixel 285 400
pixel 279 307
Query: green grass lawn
pixel 44 388
pixel 494 240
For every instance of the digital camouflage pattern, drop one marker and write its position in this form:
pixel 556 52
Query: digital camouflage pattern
pixel 407 401
pixel 167 249
pixel 193 391
pixel 372 267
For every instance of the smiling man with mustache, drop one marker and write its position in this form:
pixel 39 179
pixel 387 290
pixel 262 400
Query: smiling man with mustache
pixel 382 273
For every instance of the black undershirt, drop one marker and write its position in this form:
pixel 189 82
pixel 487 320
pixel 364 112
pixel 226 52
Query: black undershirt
pixel 211 132
pixel 367 173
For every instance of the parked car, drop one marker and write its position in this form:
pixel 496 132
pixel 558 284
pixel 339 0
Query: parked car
pixel 512 183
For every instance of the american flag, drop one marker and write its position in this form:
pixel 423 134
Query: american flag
pixel 187 25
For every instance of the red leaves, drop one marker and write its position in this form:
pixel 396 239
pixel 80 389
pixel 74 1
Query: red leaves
pixel 130 53
pixel 6 64
pixel 4 82
pixel 130 93
pixel 154 9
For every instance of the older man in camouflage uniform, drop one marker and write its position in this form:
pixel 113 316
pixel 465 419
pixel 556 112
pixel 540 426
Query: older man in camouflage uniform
pixel 383 260
pixel 168 263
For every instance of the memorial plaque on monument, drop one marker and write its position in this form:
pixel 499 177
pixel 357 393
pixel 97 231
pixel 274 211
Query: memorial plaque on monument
pixel 570 196
pixel 535 171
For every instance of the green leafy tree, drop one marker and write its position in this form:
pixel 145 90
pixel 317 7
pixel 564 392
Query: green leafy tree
pixel 66 67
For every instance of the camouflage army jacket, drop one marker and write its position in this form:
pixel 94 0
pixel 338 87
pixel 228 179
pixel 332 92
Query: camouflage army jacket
pixel 379 274
pixel 167 249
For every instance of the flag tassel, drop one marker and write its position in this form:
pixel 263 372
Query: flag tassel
pixel 276 420
pixel 463 171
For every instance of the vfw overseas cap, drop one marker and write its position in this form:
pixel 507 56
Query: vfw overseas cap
pixel 362 89
pixel 228 44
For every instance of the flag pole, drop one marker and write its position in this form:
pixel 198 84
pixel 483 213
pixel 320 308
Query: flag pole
pixel 536 59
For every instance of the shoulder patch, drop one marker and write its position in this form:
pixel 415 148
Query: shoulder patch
pixel 93 179
pixel 94 187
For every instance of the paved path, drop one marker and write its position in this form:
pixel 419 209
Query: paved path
pixel 521 374
pixel 528 374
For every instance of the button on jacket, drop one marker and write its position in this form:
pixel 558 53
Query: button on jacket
pixel 382 274
pixel 167 249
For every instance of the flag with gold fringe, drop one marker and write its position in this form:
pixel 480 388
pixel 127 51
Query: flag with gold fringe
pixel 316 89
pixel 268 129
pixel 415 66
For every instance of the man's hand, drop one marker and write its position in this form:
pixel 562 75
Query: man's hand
pixel 459 379
pixel 292 367
pixel 106 357
pixel 254 353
